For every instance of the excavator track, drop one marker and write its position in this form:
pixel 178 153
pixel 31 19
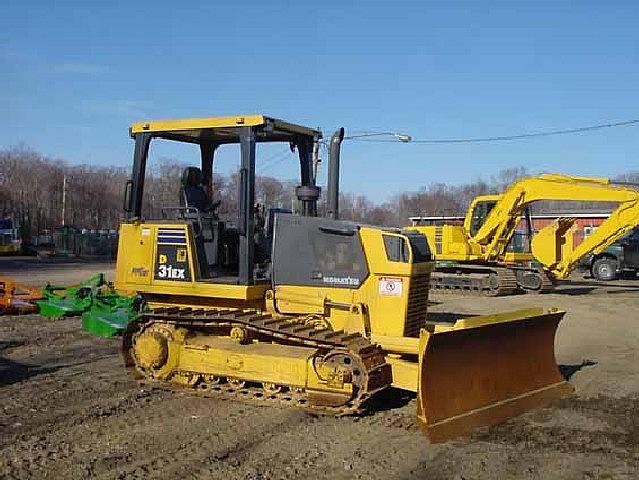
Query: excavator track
pixel 476 280
pixel 543 282
pixel 370 372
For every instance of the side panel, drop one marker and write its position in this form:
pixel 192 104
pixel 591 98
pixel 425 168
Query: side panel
pixel 134 267
pixel 173 255
pixel 158 259
pixel 449 242
pixel 317 252
pixel 396 292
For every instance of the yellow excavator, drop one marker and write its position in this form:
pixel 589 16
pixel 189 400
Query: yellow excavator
pixel 474 257
pixel 309 311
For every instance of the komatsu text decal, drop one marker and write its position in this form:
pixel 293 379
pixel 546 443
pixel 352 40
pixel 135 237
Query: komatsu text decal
pixel 348 281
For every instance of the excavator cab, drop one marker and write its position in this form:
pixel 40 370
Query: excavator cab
pixel 518 249
pixel 479 210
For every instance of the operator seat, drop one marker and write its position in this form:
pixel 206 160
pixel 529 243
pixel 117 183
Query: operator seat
pixel 192 193
pixel 207 227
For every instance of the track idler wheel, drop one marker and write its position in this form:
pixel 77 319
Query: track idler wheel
pixel 338 368
pixel 150 349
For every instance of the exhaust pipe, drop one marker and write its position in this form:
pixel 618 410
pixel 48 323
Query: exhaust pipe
pixel 332 195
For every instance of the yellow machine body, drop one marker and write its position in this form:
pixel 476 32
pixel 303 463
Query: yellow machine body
pixel 339 315
pixel 477 371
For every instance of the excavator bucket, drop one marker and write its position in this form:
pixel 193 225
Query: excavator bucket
pixel 554 243
pixel 485 370
pixel 16 298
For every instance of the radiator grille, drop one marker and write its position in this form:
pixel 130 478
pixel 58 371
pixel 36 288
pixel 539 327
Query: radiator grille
pixel 417 304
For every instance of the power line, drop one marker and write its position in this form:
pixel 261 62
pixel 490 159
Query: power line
pixel 272 161
pixel 502 138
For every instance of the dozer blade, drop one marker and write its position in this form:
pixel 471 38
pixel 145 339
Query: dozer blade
pixel 485 370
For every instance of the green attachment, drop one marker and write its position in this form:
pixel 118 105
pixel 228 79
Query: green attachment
pixel 109 314
pixel 106 324
pixel 104 312
pixel 59 301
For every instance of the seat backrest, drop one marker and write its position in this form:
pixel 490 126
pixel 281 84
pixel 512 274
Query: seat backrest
pixel 191 178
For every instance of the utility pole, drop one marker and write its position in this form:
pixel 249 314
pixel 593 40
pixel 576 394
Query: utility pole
pixel 64 198
pixel 316 160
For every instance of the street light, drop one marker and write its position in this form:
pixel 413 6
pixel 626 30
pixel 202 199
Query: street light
pixel 402 137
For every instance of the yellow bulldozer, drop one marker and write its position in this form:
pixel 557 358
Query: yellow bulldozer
pixel 309 311
pixel 474 257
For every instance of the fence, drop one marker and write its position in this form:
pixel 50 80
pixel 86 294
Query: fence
pixel 84 243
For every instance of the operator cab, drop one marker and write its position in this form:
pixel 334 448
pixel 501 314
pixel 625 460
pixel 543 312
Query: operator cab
pixel 479 211
pixel 481 208
pixel 233 248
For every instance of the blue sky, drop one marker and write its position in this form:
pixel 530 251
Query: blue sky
pixel 74 75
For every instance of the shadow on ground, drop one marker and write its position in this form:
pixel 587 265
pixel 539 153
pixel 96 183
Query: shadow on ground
pixel 389 399
pixel 569 370
pixel 14 372
pixel 584 287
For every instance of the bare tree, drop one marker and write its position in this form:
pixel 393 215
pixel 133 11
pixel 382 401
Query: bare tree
pixel 31 191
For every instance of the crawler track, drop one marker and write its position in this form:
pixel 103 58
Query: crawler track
pixel 475 280
pixel 371 372
pixel 490 281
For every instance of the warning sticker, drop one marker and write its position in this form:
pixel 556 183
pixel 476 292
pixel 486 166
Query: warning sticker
pixel 390 286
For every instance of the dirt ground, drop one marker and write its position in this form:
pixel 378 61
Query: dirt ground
pixel 70 411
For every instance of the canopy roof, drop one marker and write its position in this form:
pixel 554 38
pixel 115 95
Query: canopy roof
pixel 226 129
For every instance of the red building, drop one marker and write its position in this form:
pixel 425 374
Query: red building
pixel 585 222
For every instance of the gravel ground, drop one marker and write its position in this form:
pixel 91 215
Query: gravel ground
pixel 68 410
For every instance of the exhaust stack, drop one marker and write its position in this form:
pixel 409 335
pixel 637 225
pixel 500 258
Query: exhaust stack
pixel 332 200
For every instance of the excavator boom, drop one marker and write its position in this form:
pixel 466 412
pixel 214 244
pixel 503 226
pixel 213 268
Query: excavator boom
pixel 498 228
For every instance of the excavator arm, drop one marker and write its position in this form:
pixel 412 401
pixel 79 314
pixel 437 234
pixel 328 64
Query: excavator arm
pixel 500 224
pixel 559 257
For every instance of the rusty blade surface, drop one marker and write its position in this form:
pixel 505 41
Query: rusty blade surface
pixel 486 374
pixel 16 297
